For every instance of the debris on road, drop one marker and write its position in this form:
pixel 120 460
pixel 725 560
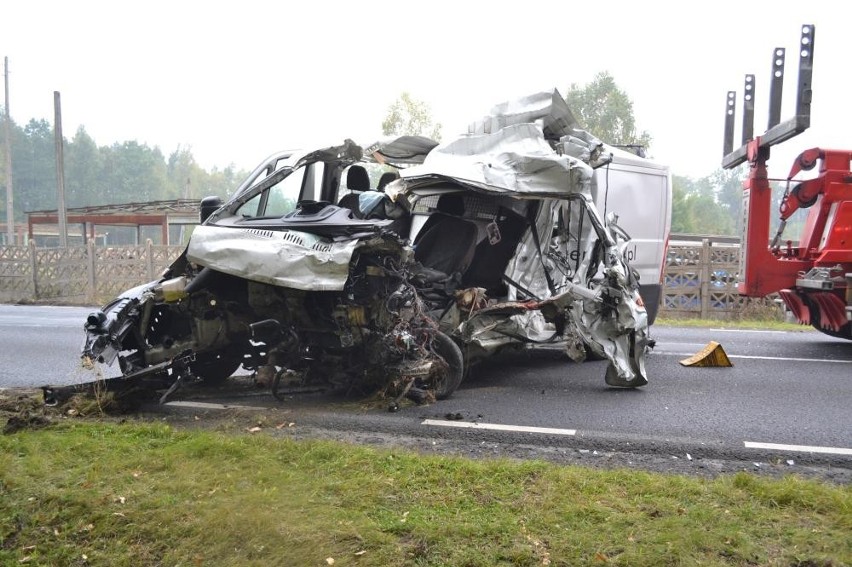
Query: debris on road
pixel 712 355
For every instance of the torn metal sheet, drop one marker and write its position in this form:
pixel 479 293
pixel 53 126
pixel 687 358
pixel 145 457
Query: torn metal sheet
pixel 517 160
pixel 508 155
pixel 546 109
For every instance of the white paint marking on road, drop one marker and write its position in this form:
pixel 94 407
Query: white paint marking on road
pixel 745 356
pixel 755 331
pixel 790 359
pixel 499 427
pixel 207 405
pixel 798 448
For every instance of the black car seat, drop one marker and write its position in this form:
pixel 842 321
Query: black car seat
pixel 386 178
pixel 446 242
pixel 357 179
pixel 490 258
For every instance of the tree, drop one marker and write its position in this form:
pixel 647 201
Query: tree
pixel 185 175
pixel 34 167
pixel 412 117
pixel 13 131
pixel 728 184
pixel 696 208
pixel 222 182
pixel 83 181
pixel 134 172
pixel 120 173
pixel 606 111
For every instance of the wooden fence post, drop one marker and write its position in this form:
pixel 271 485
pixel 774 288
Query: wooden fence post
pixel 149 253
pixel 705 278
pixel 93 284
pixel 33 267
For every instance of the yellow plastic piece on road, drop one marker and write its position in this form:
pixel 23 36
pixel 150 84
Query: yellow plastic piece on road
pixel 711 355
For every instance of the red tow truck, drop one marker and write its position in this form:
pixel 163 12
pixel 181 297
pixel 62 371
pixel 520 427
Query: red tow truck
pixel 814 275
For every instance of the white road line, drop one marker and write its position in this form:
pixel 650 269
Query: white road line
pixel 757 330
pixel 499 427
pixel 208 405
pixel 798 448
pixel 790 359
pixel 745 356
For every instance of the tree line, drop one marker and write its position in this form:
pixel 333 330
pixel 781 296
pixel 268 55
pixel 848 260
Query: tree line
pixel 124 172
pixel 128 171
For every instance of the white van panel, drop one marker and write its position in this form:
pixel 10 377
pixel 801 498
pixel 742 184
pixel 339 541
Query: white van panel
pixel 639 192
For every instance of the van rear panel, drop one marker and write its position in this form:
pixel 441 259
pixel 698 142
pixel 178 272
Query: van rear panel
pixel 639 192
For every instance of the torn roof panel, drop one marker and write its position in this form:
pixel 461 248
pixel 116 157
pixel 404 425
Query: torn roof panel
pixel 547 108
pixel 516 159
pixel 529 147
pixel 400 149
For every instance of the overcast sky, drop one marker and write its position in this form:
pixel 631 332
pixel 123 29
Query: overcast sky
pixel 236 81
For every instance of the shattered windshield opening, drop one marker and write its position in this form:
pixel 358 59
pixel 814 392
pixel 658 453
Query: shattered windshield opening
pixel 277 198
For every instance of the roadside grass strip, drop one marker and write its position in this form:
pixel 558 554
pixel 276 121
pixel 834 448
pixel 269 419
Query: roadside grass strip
pixel 130 494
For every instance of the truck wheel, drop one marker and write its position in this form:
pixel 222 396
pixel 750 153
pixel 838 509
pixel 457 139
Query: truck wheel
pixel 448 378
pixel 845 332
pixel 213 369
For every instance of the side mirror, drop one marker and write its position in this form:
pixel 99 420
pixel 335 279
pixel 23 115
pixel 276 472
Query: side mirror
pixel 209 205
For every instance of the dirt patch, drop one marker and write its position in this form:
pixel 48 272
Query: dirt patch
pixel 24 408
pixel 21 409
pixel 24 421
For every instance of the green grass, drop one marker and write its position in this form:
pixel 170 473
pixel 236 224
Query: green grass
pixel 129 494
pixel 757 324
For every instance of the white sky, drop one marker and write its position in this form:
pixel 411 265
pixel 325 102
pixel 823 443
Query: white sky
pixel 236 81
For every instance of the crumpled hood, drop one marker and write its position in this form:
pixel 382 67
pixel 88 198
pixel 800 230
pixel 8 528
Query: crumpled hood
pixel 297 260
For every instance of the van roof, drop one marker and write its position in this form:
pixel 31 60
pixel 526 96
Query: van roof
pixel 623 157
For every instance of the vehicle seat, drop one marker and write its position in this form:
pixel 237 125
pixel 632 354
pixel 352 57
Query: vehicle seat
pixel 357 179
pixel 386 178
pixel 447 241
pixel 490 260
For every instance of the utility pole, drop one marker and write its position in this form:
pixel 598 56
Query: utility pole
pixel 10 212
pixel 60 170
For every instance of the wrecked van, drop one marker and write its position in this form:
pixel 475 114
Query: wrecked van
pixel 393 267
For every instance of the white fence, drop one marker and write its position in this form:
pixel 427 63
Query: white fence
pixel 700 280
pixel 84 274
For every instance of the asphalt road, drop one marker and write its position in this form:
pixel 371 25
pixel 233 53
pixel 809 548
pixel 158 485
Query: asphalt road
pixel 787 395
pixel 40 345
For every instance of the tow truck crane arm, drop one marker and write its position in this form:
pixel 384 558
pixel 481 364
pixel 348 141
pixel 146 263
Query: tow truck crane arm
pixel 805 193
pixel 814 278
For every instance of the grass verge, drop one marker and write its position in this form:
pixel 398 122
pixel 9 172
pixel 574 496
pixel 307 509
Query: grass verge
pixel 83 493
pixel 770 325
